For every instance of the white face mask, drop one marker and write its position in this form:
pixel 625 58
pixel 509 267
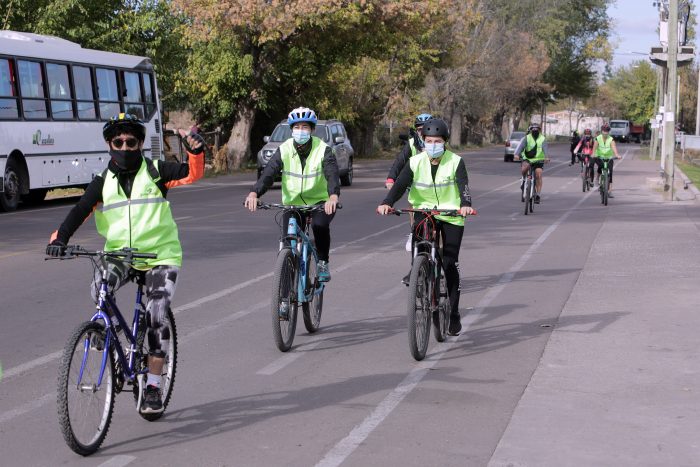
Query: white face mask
pixel 435 150
pixel 301 136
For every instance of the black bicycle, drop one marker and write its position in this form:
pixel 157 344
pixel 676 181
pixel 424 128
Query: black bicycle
pixel 604 187
pixel 528 188
pixel 586 172
pixel 427 289
pixel 104 354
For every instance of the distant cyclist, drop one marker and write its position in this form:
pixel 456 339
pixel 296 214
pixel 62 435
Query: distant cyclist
pixel 438 179
pixel 575 138
pixel 309 176
pixel 604 148
pixel 533 151
pixel 413 146
pixel 585 148
pixel 128 199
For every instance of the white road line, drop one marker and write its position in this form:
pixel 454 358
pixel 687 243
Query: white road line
pixel 345 447
pixel 118 461
pixel 288 358
pixel 14 371
pixel 28 407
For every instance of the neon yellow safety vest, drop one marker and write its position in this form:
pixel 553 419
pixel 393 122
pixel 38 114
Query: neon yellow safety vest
pixel 604 150
pixel 443 192
pixel 530 144
pixel 143 221
pixel 307 185
pixel 412 145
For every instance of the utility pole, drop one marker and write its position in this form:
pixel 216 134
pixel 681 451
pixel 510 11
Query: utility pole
pixel 669 141
pixel 697 115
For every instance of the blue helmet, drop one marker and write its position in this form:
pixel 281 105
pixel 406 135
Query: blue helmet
pixel 421 119
pixel 302 114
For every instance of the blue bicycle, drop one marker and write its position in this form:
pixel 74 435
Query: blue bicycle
pixel 296 276
pixel 104 354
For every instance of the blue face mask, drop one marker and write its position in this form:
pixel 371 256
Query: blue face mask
pixel 301 136
pixel 435 150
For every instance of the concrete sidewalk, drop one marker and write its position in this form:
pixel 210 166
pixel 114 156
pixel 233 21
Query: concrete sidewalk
pixel 621 388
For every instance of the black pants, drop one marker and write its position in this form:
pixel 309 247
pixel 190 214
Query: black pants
pixel 599 163
pixel 321 226
pixel 451 236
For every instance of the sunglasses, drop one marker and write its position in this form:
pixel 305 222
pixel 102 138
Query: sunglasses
pixel 131 143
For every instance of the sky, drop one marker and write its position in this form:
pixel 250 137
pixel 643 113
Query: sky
pixel 634 30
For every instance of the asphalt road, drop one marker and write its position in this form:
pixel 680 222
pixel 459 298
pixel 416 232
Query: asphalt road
pixel 350 393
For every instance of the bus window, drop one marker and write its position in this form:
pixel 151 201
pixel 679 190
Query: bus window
pixel 82 80
pixel 132 94
pixel 149 95
pixel 107 93
pixel 8 107
pixel 31 84
pixel 59 91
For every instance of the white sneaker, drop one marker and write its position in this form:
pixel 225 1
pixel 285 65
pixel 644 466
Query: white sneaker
pixel 408 242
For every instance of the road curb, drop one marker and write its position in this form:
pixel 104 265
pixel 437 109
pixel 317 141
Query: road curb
pixel 687 183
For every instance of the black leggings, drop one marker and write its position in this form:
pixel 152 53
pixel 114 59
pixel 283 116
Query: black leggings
pixel 451 242
pixel 599 163
pixel 321 226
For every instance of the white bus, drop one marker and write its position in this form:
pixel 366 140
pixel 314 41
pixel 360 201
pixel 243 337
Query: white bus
pixel 55 96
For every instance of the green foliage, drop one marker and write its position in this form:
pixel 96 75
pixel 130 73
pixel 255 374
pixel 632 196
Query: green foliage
pixel 632 91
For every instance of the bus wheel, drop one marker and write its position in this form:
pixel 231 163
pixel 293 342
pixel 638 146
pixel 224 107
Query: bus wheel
pixel 9 198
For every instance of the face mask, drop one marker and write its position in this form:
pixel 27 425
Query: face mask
pixel 535 134
pixel 128 159
pixel 435 150
pixel 301 136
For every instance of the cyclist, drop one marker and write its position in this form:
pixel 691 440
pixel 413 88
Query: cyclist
pixel 534 152
pixel 131 212
pixel 603 149
pixel 413 146
pixel 575 138
pixel 309 176
pixel 585 147
pixel 438 179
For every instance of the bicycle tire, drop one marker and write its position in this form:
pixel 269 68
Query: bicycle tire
pixel 443 316
pixel 528 184
pixel 311 311
pixel 584 179
pixel 418 311
pixel 607 190
pixel 169 368
pixel 531 201
pixel 602 187
pixel 284 291
pixel 85 438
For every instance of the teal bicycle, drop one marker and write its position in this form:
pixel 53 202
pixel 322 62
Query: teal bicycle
pixel 295 279
pixel 604 181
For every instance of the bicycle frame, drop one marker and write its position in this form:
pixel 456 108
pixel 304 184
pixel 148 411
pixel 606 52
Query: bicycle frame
pixel 300 245
pixel 107 302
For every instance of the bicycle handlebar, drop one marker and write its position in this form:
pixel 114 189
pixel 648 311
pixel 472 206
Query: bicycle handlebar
pixel 306 207
pixel 127 253
pixel 432 212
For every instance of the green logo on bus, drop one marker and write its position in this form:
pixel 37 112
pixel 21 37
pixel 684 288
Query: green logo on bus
pixel 39 141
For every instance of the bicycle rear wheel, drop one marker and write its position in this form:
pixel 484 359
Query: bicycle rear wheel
pixel 441 320
pixel 419 308
pixel 169 367
pixel 311 310
pixel 84 406
pixel 527 196
pixel 284 300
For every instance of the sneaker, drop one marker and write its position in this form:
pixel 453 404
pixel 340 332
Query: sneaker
pixel 537 199
pixel 409 242
pixel 406 279
pixel 152 400
pixel 324 275
pixel 455 326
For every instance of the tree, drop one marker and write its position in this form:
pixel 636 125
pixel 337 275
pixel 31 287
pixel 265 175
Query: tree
pixel 630 93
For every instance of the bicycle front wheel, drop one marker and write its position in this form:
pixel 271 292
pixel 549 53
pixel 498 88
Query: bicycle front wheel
pixel 85 406
pixel 419 307
pixel 528 194
pixel 312 309
pixel 169 345
pixel 607 189
pixel 284 300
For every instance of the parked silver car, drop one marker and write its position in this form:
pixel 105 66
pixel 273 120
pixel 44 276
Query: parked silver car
pixel 512 144
pixel 332 132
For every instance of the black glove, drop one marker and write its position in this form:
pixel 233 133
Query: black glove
pixel 56 248
pixel 199 145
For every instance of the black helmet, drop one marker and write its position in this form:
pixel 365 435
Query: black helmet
pixel 534 126
pixel 605 127
pixel 124 123
pixel 436 127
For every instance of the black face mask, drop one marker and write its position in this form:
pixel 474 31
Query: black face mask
pixel 535 134
pixel 129 160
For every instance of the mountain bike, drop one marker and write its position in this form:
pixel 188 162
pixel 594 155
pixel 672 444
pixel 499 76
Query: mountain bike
pixel 427 289
pixel 295 275
pixel 104 355
pixel 604 181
